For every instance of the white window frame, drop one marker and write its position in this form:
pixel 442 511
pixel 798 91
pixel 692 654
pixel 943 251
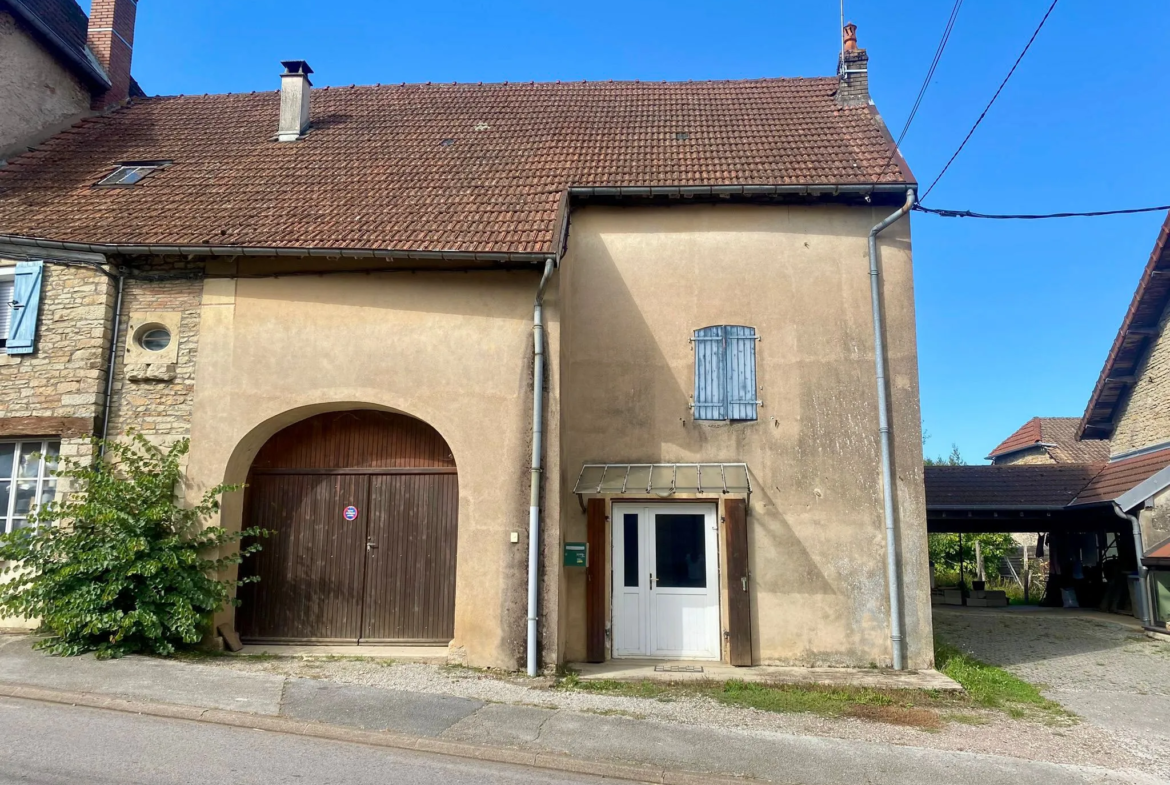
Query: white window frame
pixel 7 273
pixel 43 482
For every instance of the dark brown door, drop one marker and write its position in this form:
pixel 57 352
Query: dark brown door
pixel 410 570
pixel 739 607
pixel 595 574
pixel 312 566
pixel 383 572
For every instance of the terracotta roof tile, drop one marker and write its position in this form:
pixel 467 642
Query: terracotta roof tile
pixel 1060 436
pixel 374 174
pixel 1120 476
pixel 1048 486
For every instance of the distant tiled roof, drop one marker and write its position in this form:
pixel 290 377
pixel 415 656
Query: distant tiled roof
pixel 1120 476
pixel 1135 338
pixel 1059 436
pixel 472 168
pixel 65 28
pixel 1020 486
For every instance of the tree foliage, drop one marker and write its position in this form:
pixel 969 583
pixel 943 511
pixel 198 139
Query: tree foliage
pixel 120 565
pixel 944 550
pixel 954 459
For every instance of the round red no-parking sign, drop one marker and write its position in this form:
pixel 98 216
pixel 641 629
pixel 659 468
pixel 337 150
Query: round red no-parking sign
pixel 351 513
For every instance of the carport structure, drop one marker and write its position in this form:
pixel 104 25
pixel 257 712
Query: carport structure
pixel 1081 507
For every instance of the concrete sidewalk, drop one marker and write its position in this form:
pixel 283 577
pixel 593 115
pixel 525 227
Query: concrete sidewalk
pixel 569 741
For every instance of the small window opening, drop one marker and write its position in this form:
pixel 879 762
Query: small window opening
pixel 131 173
pixel 682 136
pixel 153 337
pixel 446 142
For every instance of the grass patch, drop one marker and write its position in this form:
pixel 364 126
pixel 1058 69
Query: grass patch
pixel 992 687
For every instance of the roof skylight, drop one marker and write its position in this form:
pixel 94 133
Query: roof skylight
pixel 131 173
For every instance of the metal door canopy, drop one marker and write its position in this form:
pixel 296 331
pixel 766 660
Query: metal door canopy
pixel 662 479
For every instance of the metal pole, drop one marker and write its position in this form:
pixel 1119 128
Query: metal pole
pixel 884 432
pixel 1143 591
pixel 111 364
pixel 537 440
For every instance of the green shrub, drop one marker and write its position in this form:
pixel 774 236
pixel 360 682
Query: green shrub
pixel 120 566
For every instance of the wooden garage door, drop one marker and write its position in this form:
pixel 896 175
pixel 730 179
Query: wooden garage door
pixel 388 575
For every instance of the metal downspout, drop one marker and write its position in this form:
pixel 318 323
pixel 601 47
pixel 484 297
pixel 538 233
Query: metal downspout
pixel 110 363
pixel 1143 592
pixel 537 447
pixel 884 429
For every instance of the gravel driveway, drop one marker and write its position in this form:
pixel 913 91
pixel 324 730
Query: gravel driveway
pixel 1099 666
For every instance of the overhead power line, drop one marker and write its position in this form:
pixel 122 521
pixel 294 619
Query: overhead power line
pixel 1038 217
pixel 938 52
pixel 993 98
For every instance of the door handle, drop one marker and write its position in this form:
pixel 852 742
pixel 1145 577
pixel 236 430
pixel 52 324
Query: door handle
pixel 371 546
pixel 744 579
pixel 651 581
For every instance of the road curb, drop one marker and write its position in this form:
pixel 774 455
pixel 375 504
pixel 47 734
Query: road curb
pixel 319 730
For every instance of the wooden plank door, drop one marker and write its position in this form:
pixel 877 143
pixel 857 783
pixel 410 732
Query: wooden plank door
pixel 410 558
pixel 739 608
pixel 595 572
pixel 312 566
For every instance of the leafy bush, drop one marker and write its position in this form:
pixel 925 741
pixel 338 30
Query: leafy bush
pixel 120 566
pixel 944 551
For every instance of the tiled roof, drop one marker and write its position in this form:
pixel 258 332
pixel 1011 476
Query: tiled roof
pixel 1136 337
pixel 376 173
pixel 65 28
pixel 1019 486
pixel 1120 476
pixel 1059 436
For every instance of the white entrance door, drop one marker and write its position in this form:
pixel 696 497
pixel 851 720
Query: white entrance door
pixel 665 581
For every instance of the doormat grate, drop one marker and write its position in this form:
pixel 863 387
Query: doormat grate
pixel 678 668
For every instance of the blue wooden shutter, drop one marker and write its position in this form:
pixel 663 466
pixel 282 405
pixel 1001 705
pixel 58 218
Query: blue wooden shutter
pixel 741 372
pixel 710 374
pixel 26 304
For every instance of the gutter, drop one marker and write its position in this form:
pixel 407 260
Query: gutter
pixel 827 189
pixel 1143 591
pixel 879 342
pixel 537 452
pixel 244 250
pixel 111 364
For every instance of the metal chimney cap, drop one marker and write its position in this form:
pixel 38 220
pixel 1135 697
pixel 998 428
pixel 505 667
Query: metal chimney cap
pixel 295 67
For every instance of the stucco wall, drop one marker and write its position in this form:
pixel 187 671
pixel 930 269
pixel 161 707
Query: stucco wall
pixel 1145 416
pixel 454 350
pixel 636 283
pixel 39 96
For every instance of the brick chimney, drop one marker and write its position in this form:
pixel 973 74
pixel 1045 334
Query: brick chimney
pixel 852 70
pixel 111 39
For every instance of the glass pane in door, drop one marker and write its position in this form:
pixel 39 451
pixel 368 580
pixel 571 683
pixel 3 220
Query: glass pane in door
pixel 630 543
pixel 680 551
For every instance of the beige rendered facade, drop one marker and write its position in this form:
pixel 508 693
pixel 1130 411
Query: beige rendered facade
pixel 41 96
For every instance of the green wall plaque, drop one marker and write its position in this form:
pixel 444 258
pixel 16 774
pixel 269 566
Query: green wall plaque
pixel 576 554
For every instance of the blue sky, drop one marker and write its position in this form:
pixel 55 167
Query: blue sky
pixel 1014 318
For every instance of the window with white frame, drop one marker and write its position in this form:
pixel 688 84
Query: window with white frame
pixel 26 478
pixel 7 277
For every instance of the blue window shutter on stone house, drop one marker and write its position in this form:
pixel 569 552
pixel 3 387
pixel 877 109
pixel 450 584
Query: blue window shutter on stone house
pixel 710 374
pixel 26 304
pixel 741 372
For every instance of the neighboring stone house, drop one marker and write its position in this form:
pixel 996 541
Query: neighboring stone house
pixel 1044 440
pixel 1107 477
pixel 58 66
pixel 575 370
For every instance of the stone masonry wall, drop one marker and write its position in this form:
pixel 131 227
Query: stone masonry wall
pixel 1035 455
pixel 158 404
pixel 64 379
pixel 1145 416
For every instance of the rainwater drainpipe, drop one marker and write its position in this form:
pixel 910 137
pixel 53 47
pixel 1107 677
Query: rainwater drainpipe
pixel 537 446
pixel 1143 592
pixel 884 428
pixel 110 363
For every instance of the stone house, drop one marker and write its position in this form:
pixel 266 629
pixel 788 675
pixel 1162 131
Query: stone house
pixel 539 373
pixel 1046 440
pixel 1104 485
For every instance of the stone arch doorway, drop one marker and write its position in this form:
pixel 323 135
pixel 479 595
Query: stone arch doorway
pixel 363 509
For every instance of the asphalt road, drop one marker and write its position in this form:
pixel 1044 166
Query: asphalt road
pixel 47 744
